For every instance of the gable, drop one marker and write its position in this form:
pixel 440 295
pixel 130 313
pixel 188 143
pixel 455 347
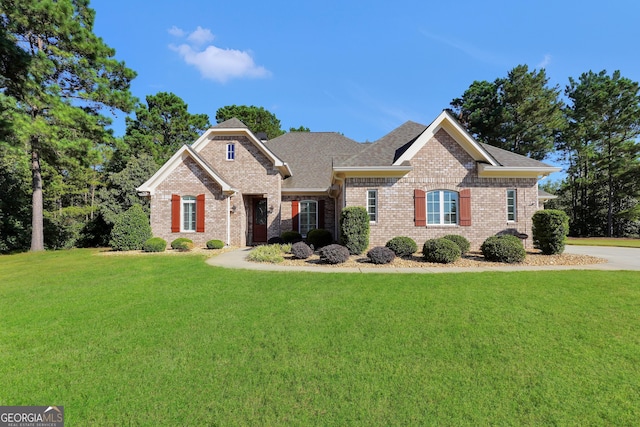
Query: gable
pixel 442 158
pixel 178 160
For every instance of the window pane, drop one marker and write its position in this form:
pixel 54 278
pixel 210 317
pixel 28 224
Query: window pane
pixel 372 196
pixel 511 205
pixel 307 216
pixel 433 207
pixel 450 207
pixel 188 213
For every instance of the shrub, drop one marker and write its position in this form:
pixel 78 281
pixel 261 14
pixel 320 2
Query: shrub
pixel 155 244
pixel 215 244
pixel 319 237
pixel 130 230
pixel 334 254
pixel 275 241
pixel 441 250
pixel 550 230
pixel 402 246
pixel 268 253
pixel 301 250
pixel 354 229
pixel 381 255
pixel 505 248
pixel 291 237
pixel 182 244
pixel 461 241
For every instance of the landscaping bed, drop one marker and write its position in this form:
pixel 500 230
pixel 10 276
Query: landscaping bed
pixel 470 260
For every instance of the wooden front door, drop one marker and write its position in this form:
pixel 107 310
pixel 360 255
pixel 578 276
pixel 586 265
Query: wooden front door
pixel 259 220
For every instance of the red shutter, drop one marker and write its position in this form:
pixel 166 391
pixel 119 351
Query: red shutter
pixel 200 213
pixel 465 207
pixel 321 214
pixel 175 213
pixel 294 215
pixel 419 208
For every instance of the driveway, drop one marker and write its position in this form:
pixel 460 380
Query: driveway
pixel 618 259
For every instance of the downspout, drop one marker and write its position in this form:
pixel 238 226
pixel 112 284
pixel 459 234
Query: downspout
pixel 228 220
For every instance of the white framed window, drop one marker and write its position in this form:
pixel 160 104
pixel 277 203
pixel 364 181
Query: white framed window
pixel 188 213
pixel 511 205
pixel 442 207
pixel 231 151
pixel 308 216
pixel 372 205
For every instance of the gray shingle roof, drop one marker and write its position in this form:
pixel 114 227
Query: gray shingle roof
pixel 509 159
pixel 232 123
pixel 387 149
pixel 310 155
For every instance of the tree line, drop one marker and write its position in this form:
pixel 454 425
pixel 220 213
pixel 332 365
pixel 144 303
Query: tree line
pixel 592 130
pixel 65 178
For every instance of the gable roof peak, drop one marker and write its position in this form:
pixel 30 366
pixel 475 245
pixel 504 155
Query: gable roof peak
pixel 232 123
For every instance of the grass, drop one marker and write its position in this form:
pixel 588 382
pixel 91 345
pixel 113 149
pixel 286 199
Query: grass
pixel 603 241
pixel 168 340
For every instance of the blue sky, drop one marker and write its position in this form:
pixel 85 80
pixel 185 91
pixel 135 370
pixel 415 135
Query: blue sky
pixel 355 67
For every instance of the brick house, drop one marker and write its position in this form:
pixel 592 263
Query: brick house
pixel 417 181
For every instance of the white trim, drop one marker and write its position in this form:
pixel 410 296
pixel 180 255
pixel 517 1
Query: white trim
pixel 441 203
pixel 229 221
pixel 453 128
pixel 515 205
pixel 375 206
pixel 488 171
pixel 191 201
pixel 300 202
pixel 230 152
pixel 163 173
pixel 210 133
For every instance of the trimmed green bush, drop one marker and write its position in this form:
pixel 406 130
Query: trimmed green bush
pixel 130 230
pixel 301 250
pixel 268 253
pixel 215 244
pixel 402 246
pixel 319 237
pixel 381 255
pixel 354 229
pixel 550 230
pixel 182 244
pixel 505 248
pixel 291 237
pixel 155 244
pixel 441 250
pixel 461 241
pixel 334 254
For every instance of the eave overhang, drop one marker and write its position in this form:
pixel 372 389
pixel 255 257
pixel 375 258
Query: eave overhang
pixel 490 171
pixel 305 191
pixel 371 171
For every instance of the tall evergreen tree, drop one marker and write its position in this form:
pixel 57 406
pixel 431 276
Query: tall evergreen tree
pixel 69 75
pixel 257 119
pixel 162 126
pixel 519 113
pixel 600 145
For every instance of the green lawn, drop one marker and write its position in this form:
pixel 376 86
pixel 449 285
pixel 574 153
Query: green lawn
pixel 602 241
pixel 168 340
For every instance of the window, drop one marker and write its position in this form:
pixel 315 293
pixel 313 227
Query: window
pixel 372 205
pixel 188 213
pixel 511 205
pixel 231 151
pixel 308 216
pixel 442 207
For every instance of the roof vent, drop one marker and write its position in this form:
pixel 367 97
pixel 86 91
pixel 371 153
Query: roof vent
pixel 262 136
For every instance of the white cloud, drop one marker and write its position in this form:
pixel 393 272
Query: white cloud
pixel 175 31
pixel 545 61
pixel 213 62
pixel 200 36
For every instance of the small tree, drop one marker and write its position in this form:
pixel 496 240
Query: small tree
pixel 550 230
pixel 131 230
pixel 354 229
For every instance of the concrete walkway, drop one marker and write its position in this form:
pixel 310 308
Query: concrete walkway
pixel 618 259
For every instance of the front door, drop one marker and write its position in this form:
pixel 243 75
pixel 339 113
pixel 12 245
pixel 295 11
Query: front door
pixel 259 220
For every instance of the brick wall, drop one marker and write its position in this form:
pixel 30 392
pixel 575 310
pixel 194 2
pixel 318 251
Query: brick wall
pixel 442 164
pixel 252 173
